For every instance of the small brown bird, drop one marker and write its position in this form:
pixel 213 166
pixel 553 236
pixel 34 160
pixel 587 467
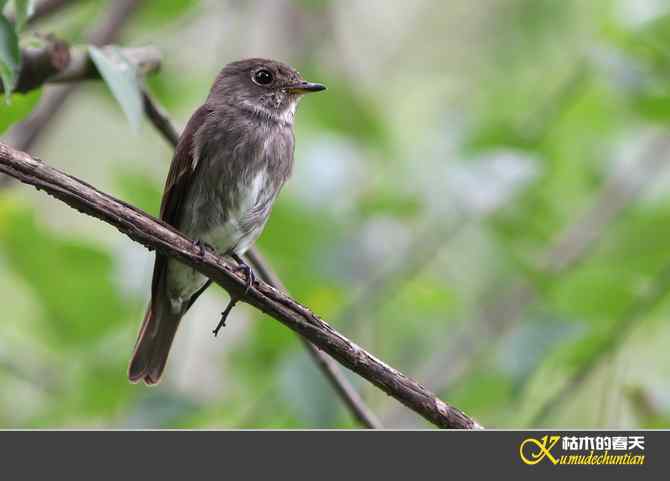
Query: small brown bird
pixel 232 160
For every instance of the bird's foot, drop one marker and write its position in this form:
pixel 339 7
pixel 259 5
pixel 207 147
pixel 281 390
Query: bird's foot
pixel 248 273
pixel 224 316
pixel 202 246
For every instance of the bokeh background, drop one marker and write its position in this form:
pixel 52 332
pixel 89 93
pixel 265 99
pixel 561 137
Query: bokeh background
pixel 481 199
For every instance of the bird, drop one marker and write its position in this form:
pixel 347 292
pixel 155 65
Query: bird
pixel 231 161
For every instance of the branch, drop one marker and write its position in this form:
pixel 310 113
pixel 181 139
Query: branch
pixel 160 120
pixel 56 62
pixel 157 235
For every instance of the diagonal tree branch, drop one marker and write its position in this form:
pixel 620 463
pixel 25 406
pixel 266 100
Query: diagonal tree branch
pixel 157 235
pixel 161 121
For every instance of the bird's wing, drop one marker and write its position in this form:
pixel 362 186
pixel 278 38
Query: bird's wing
pixel 183 168
pixel 160 324
pixel 177 185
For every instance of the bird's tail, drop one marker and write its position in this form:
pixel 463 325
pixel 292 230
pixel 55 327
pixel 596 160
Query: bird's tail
pixel 154 342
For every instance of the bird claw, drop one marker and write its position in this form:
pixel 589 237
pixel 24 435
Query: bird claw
pixel 248 273
pixel 201 246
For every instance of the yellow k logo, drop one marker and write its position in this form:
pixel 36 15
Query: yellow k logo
pixel 538 449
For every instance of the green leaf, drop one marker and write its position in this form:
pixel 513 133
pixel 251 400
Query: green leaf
pixel 23 10
pixel 17 108
pixel 10 55
pixel 120 76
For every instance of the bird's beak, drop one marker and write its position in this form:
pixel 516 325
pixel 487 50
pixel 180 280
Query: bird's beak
pixel 305 87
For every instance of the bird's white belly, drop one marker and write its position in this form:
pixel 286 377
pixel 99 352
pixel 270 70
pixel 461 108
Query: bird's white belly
pixel 229 237
pixel 232 236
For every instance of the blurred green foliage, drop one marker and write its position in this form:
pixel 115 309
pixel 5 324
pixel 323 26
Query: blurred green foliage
pixel 70 319
pixel 17 108
pixel 429 186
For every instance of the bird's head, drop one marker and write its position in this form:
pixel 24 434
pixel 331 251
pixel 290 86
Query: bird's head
pixel 267 88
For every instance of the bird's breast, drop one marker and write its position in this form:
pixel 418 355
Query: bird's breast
pixel 244 209
pixel 242 166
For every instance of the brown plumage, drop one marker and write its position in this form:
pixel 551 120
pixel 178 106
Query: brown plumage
pixel 232 159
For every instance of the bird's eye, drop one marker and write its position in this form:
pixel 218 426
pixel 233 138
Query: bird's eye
pixel 263 77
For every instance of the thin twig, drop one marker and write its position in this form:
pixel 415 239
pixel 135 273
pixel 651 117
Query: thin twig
pixel 161 121
pixel 156 235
